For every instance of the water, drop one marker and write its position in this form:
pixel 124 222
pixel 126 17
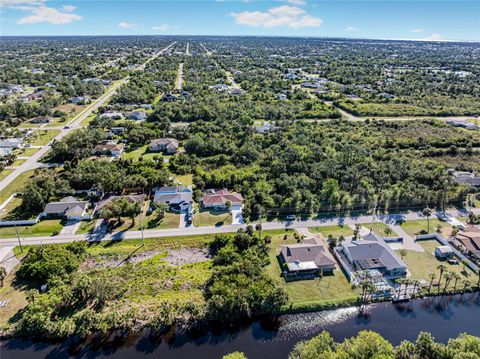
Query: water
pixel 444 317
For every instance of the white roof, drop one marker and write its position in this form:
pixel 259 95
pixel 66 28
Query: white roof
pixel 293 266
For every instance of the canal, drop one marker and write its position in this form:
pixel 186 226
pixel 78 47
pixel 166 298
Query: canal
pixel 444 317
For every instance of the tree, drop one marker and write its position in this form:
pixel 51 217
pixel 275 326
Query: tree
pixel 441 268
pixel 432 278
pixel 121 207
pixel 403 253
pixel 235 355
pixel 456 277
pixel 3 275
pixel 228 206
pixel 427 212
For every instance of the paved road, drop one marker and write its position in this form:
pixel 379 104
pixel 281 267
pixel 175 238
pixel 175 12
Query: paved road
pixel 175 232
pixel 208 52
pixel 75 123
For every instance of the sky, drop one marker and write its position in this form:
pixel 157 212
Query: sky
pixel 438 20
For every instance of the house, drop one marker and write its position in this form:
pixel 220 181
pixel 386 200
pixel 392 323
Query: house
pixel 218 199
pixel 68 208
pixel 220 87
pixel 468 178
pixel 169 145
pixel 11 143
pixel 117 130
pixel 281 97
pixel 41 119
pixel 139 198
pixel 5 152
pixel 462 123
pixel 175 196
pixel 266 127
pixel 108 148
pixel 147 106
pixel 237 91
pixel 468 240
pixel 308 257
pixel 443 252
pixel 137 116
pixel 111 115
pixel 168 98
pixel 372 253
pixel 185 96
pixel 76 100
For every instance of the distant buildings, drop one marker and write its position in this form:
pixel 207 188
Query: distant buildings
pixel 218 199
pixel 111 115
pixel 468 241
pixel 462 123
pixel 108 148
pixel 137 115
pixel 11 143
pixel 468 178
pixel 76 100
pixel 41 119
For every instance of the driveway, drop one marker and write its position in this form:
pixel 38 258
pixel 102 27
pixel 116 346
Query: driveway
pixel 237 216
pixel 70 227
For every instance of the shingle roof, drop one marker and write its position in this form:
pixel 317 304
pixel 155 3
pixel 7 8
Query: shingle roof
pixel 65 207
pixel 220 198
pixel 312 250
pixel 139 198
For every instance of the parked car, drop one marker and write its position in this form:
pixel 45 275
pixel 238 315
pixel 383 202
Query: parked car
pixel 290 217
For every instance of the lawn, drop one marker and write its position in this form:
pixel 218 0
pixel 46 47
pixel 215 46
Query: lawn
pixel 85 227
pixel 87 120
pixel 422 264
pixel 4 174
pixel 336 230
pixel 185 180
pixel 42 228
pixel 27 152
pixel 15 295
pixel 42 137
pixel 211 218
pixel 413 227
pixel 379 228
pixel 15 186
pixel 327 291
pixel 18 162
pixel 140 152
pixel 169 220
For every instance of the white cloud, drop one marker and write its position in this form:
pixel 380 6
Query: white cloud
pixel 126 25
pixel 351 28
pixel 285 15
pixel 162 27
pixel 417 31
pixel 296 2
pixel 50 15
pixel 68 8
pixel 39 12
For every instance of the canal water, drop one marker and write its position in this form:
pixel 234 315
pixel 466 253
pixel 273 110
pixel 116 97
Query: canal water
pixel 444 317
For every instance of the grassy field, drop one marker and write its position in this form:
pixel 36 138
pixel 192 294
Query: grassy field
pixel 86 121
pixel 18 162
pixel 42 228
pixel 422 264
pixel 336 231
pixel 4 174
pixel 15 186
pixel 85 227
pixel 329 290
pixel 169 220
pixel 415 226
pixel 42 137
pixel 211 218
pixel 140 152
pixel 16 298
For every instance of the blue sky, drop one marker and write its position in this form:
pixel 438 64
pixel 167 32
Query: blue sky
pixel 384 19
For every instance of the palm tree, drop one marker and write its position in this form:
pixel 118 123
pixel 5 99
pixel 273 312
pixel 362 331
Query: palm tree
pixel 427 212
pixel 415 285
pixel 448 277
pixel 465 283
pixel 456 277
pixel 442 269
pixel 432 278
pixel 3 274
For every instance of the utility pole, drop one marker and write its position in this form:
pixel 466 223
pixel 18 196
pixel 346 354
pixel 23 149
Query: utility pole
pixel 19 242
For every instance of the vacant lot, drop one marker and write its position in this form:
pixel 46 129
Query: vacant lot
pixel 15 186
pixel 4 174
pixel 141 152
pixel 42 137
pixel 380 228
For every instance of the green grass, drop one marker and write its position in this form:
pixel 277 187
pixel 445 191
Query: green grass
pixel 42 137
pixel 329 290
pixel 211 218
pixel 140 152
pixel 413 227
pixel 422 264
pixel 85 227
pixel 86 121
pixel 18 162
pixel 16 185
pixel 379 228
pixel 27 152
pixel 336 230
pixel 185 180
pixel 169 220
pixel 4 174
pixel 42 228
pixel 16 298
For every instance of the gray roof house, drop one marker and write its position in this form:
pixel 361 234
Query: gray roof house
pixel 180 196
pixel 138 198
pixel 373 253
pixel 11 143
pixel 68 207
pixel 309 256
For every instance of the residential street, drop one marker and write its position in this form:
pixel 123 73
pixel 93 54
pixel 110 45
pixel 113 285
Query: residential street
pixel 389 219
pixel 32 161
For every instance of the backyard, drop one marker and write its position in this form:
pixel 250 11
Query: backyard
pixel 413 227
pixel 323 292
